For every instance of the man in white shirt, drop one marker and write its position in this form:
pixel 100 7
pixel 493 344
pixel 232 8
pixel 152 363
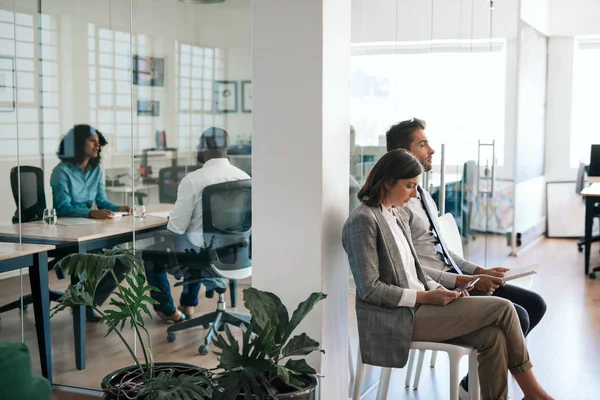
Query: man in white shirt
pixel 440 263
pixel 185 223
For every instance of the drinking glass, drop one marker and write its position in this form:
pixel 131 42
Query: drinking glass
pixel 49 216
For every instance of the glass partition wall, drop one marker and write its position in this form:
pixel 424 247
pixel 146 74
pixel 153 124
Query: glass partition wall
pixel 138 83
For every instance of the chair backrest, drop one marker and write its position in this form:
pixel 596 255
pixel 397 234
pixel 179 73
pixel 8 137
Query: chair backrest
pixel 227 227
pixel 32 195
pixel 168 182
pixel 580 181
pixel 450 233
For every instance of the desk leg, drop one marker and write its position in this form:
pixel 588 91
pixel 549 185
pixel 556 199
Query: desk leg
pixel 38 279
pixel 589 221
pixel 79 331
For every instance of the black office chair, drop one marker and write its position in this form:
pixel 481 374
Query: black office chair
pixel 33 203
pixel 579 186
pixel 168 182
pixel 227 226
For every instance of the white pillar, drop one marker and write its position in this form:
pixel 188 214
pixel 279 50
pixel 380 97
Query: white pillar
pixel 300 144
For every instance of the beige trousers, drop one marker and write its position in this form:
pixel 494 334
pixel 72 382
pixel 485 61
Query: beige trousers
pixel 490 325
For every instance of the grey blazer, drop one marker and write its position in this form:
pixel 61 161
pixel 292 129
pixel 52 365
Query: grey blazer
pixel 384 329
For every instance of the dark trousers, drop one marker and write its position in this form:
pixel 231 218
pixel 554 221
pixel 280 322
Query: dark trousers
pixel 193 260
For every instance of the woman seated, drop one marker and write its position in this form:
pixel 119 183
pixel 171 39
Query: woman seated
pixel 77 183
pixel 397 302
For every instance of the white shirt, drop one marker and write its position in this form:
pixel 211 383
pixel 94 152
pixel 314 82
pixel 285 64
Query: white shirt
pixel 187 213
pixel 409 296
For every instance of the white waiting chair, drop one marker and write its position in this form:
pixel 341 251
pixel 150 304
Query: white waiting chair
pixel 455 354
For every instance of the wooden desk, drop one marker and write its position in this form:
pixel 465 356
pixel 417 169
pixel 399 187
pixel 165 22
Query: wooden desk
pixel 591 194
pixel 35 257
pixel 100 234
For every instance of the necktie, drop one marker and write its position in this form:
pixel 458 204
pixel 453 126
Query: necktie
pixel 436 232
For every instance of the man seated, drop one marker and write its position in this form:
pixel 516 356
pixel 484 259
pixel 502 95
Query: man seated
pixel 185 225
pixel 438 261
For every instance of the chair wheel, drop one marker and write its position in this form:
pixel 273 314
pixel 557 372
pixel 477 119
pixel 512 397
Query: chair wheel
pixel 171 337
pixel 592 275
pixel 203 349
pixel 579 249
pixel 25 306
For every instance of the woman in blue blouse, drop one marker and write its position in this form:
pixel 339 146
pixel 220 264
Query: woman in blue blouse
pixel 77 181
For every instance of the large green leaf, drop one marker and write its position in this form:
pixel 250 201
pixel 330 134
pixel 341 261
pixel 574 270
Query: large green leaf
pixel 264 307
pixel 302 311
pixel 300 367
pixel 300 345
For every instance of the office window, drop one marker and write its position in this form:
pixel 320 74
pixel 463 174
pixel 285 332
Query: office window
pixel 110 88
pixel 458 90
pixel 29 93
pixel 197 68
pixel 585 127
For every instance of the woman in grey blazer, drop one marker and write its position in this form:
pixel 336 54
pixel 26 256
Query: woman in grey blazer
pixel 397 302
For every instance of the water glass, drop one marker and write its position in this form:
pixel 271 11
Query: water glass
pixel 139 212
pixel 49 216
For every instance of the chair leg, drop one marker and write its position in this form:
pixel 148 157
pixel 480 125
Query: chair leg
pixel 384 383
pixel 409 367
pixel 205 321
pixel 419 368
pixel 433 358
pixel 350 362
pixel 474 391
pixel 360 375
pixel 454 369
pixel 233 292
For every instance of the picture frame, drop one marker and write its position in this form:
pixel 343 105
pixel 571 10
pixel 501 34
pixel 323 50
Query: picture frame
pixel 246 96
pixel 226 97
pixel 7 84
pixel 148 71
pixel 148 108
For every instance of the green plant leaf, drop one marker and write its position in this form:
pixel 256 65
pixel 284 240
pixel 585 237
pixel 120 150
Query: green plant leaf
pixel 302 311
pixel 264 307
pixel 300 367
pixel 300 345
pixel 168 386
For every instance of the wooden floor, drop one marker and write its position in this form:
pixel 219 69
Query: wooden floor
pixel 565 347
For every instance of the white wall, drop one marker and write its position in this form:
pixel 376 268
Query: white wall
pixel 574 17
pixel 536 13
pixel 558 115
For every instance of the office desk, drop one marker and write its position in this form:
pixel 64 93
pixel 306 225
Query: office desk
pixel 100 234
pixel 35 257
pixel 591 194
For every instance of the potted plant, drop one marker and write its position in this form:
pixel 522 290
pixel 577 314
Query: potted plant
pixel 265 363
pixel 145 379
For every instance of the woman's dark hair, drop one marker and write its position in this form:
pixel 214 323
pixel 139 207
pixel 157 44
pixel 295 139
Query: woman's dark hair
pixel 72 145
pixel 393 166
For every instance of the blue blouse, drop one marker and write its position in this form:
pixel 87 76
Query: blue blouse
pixel 74 191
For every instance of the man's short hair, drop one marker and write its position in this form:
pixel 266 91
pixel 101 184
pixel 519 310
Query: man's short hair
pixel 399 136
pixel 214 139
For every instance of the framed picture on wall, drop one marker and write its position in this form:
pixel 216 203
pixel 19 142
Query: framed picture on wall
pixel 148 108
pixel 246 96
pixel 148 71
pixel 226 97
pixel 7 84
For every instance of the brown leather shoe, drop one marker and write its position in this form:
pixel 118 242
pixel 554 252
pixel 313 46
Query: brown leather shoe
pixel 187 311
pixel 177 316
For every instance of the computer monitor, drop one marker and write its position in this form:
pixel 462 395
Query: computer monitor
pixel 594 168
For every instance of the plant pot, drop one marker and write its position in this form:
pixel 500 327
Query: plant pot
pixel 307 393
pixel 110 383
